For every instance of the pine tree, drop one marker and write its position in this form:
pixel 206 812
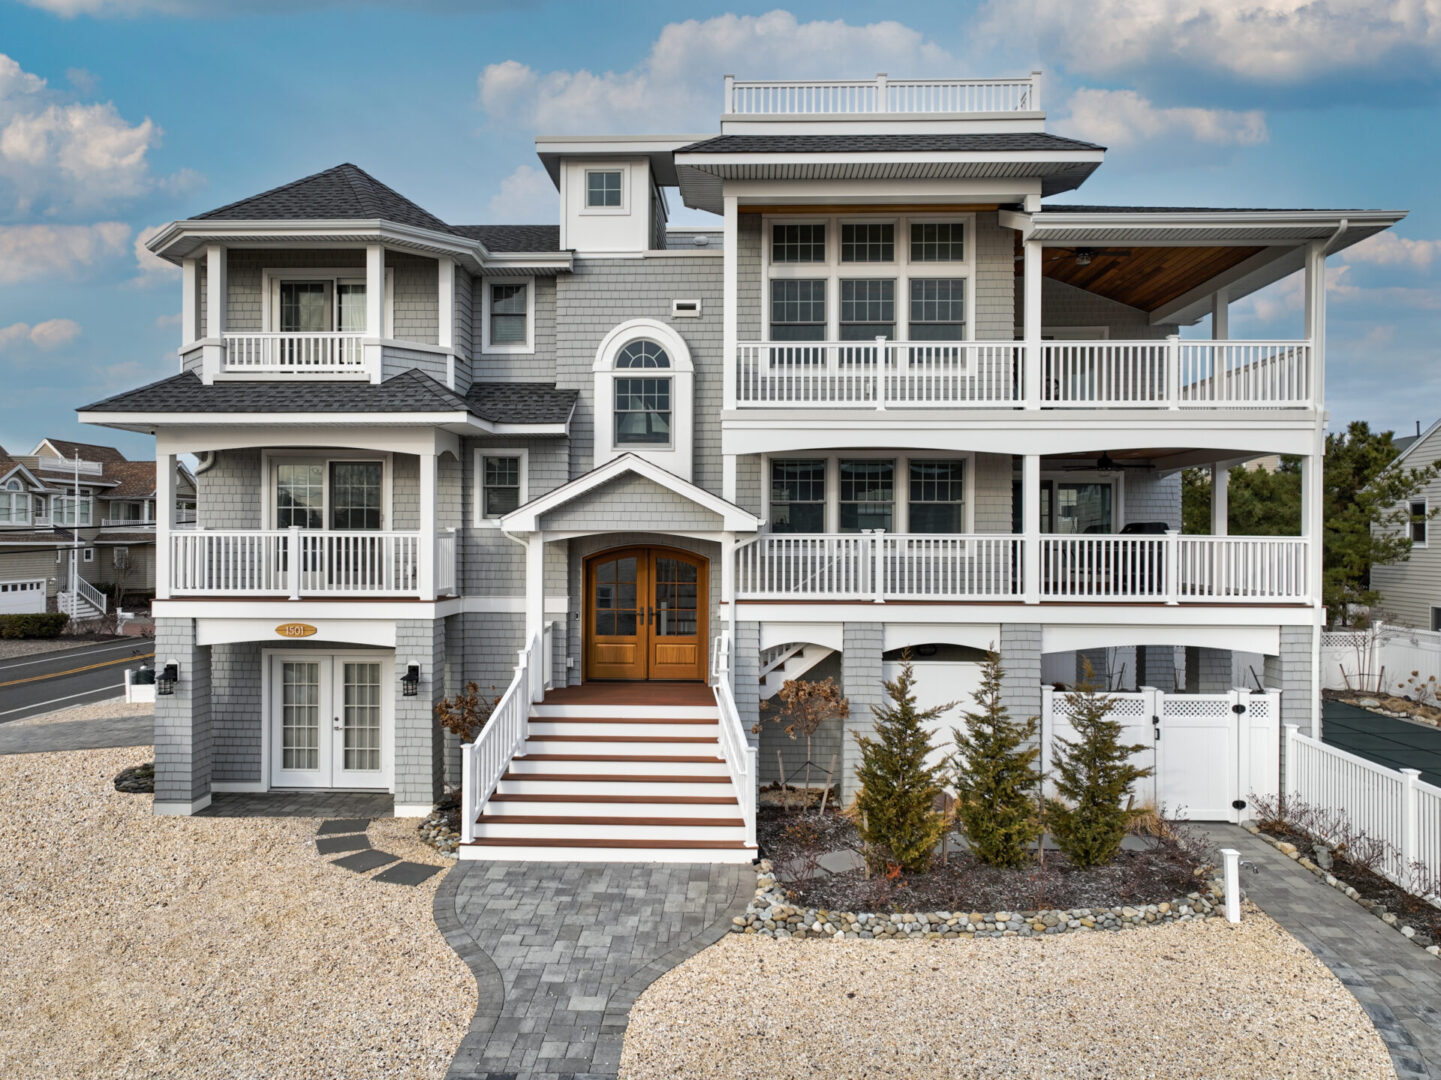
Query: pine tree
pixel 898 819
pixel 1092 776
pixel 996 776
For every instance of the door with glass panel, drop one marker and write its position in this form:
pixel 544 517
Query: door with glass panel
pixel 645 615
pixel 330 721
pixel 335 497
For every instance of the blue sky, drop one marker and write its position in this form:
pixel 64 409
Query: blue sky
pixel 119 115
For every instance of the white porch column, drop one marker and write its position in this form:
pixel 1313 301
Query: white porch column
pixel 213 356
pixel 374 307
pixel 189 300
pixel 164 518
pixel 425 554
pixel 1031 380
pixel 1220 315
pixel 534 584
pixel 1031 528
pixel 1312 524
pixel 445 311
pixel 730 290
pixel 1220 492
pixel 728 580
pixel 1315 291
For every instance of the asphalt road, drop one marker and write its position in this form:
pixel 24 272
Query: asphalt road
pixel 44 682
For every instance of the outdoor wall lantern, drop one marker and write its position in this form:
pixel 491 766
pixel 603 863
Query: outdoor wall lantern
pixel 166 678
pixel 410 681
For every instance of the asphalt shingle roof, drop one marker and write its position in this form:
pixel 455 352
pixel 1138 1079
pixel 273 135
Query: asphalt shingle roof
pixel 521 403
pixel 410 391
pixel 87 451
pixel 1067 208
pixel 879 144
pixel 513 237
pixel 344 192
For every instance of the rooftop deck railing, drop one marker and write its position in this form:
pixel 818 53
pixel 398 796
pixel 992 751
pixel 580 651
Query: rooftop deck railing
pixel 849 97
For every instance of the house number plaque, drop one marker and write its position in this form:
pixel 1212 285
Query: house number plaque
pixel 295 629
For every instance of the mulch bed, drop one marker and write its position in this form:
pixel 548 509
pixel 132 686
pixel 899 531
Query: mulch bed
pixel 1411 910
pixel 961 883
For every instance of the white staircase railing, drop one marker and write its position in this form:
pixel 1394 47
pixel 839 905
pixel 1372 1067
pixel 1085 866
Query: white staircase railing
pixel 484 761
pixel 739 755
pixel 73 601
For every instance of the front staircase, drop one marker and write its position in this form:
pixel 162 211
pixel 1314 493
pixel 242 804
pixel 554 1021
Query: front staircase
pixel 609 772
pixel 83 603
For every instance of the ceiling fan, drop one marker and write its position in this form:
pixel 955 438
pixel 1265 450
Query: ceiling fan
pixel 1084 255
pixel 1106 463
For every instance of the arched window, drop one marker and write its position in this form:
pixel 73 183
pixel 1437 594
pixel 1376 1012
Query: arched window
pixel 13 485
pixel 644 380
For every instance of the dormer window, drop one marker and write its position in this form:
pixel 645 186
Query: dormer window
pixel 603 188
pixel 14 504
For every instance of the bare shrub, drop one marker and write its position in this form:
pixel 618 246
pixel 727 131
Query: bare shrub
pixel 465 714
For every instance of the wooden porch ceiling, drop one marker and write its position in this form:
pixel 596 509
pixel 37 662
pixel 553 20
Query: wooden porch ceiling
pixel 1140 277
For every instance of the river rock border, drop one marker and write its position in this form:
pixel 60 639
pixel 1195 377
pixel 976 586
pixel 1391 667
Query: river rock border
pixel 1291 851
pixel 439 835
pixel 771 914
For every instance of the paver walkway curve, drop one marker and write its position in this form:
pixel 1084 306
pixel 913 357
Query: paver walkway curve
pixel 560 952
pixel 1397 983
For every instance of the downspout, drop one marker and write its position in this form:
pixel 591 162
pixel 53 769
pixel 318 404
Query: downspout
pixel 204 462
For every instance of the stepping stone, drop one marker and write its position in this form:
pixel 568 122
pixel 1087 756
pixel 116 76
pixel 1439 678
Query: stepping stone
pixel 407 873
pixel 343 825
pixel 329 845
pixel 362 861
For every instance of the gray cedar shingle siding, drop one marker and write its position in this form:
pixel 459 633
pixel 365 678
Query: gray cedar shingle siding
pixel 229 491
pixel 184 742
pixel 633 502
pixel 419 748
pixel 1290 672
pixel 861 678
pixel 536 366
pixel 237 711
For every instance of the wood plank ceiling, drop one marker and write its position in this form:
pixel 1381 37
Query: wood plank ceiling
pixel 1142 277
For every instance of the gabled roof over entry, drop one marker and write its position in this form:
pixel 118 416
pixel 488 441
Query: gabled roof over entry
pixel 528 517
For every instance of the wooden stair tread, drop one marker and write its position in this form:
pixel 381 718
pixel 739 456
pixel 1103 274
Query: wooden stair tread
pixel 706 800
pixel 706 759
pixel 686 739
pixel 543 819
pixel 626 778
pixel 602 842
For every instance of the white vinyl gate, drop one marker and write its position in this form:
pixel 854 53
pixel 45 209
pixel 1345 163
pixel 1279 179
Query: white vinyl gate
pixel 1204 754
pixel 22 597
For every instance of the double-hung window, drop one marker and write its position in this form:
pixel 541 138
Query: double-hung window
pixel 67 510
pixel 936 496
pixel 342 494
pixel 798 496
pixel 938 309
pixel 798 309
pixel 509 316
pixel 14 504
pixel 1418 522
pixel 867 495
pixel 500 484
pixel 868 309
pixel 642 404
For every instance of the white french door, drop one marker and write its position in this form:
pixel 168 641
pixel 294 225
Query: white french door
pixel 331 720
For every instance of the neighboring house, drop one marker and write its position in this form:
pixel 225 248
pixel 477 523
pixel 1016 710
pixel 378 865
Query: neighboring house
pixel 1411 590
pixel 898 399
pixel 76 508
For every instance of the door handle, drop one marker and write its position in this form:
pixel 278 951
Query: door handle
pixel 337 723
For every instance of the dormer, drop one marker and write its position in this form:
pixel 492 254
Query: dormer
pixel 610 189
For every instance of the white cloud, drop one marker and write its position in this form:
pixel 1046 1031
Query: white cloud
pixel 526 196
pixel 1388 249
pixel 162 321
pixel 677 86
pixel 1119 118
pixel 1266 41
pixel 59 156
pixel 38 251
pixel 152 269
pixel 50 334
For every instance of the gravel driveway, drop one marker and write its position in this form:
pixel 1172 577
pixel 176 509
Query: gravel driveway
pixel 132 945
pixel 1185 1000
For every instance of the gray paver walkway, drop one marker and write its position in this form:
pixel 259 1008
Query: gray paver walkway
pixel 78 735
pixel 561 951
pixel 1398 984
pixel 354 805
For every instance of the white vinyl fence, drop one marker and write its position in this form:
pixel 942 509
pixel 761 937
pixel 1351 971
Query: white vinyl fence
pixel 1381 658
pixel 1392 806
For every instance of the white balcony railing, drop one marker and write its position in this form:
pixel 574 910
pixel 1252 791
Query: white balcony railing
pixel 127 522
pixel 303 562
pixel 1170 569
pixel 276 353
pixel 844 97
pixel 50 463
pixel 1167 373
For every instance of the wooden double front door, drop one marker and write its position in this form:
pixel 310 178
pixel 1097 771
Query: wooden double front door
pixel 645 614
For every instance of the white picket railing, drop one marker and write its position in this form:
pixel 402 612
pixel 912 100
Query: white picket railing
pixel 740 756
pixel 841 97
pixel 881 566
pixel 71 601
pixel 1389 805
pixel 484 761
pixel 445 570
pixel 319 353
pixel 1176 373
pixel 51 463
pixel 296 562
pixel 846 374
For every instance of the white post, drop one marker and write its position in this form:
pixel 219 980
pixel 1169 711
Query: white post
pixel 1288 755
pixel 164 519
pixel 728 106
pixel 880 392
pixel 1035 91
pixel 1171 567
pixel 294 558
pixel 1031 528
pixel 213 354
pixel 1220 331
pixel 425 551
pixel 878 565
pixel 1245 782
pixel 1220 496
pixel 534 583
pixel 1173 371
pixel 1232 859
pixel 1048 726
pixel 374 308
pixel 880 93
pixel 1410 819
pixel 1316 318
pixel 728 579
pixel 1312 523
pixel 1031 388
pixel 189 300
pixel 467 792
pixel 730 290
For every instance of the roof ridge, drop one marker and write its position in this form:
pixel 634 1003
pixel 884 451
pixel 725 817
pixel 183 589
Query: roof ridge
pixel 277 189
